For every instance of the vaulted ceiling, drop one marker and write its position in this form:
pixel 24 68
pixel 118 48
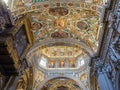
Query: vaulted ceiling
pixel 70 23
pixel 62 84
pixel 64 29
pixel 57 19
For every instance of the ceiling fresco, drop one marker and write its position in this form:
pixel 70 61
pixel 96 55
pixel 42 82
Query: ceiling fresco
pixel 62 51
pixel 76 19
pixel 66 34
pixel 59 57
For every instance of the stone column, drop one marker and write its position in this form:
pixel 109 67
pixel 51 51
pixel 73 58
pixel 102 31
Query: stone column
pixel 102 71
pixel 104 82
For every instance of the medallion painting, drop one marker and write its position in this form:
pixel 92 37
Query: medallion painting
pixel 58 11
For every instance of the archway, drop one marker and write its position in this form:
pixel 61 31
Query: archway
pixel 61 83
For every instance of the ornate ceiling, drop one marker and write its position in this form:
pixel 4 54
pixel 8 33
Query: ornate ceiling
pixel 62 84
pixel 65 29
pixel 63 21
pixel 63 55
pixel 62 51
pixel 58 19
pixel 57 56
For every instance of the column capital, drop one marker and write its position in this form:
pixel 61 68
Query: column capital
pixel 100 66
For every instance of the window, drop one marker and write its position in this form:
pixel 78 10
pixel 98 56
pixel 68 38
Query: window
pixel 81 62
pixel 43 61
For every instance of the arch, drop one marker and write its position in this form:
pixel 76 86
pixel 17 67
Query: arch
pixel 68 77
pixel 65 41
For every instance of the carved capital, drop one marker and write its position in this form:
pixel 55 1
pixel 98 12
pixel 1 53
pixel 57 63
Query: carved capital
pixel 97 65
pixel 107 67
pixel 101 66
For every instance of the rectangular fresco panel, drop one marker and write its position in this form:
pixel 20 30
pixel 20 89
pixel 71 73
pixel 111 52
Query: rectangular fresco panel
pixel 20 40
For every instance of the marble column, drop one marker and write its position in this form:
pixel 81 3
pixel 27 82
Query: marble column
pixel 104 82
pixel 102 72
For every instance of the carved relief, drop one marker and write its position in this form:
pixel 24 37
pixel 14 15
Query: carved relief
pixel 117 45
pixel 38 77
pixel 97 65
pixel 60 23
pixel 25 80
pixel 83 76
pixel 22 85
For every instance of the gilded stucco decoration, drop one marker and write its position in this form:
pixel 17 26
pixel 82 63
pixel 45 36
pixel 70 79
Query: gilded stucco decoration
pixel 61 57
pixel 38 77
pixel 78 19
pixel 75 20
pixel 62 51
pixel 25 81
pixel 63 21
pixel 63 82
pixel 84 78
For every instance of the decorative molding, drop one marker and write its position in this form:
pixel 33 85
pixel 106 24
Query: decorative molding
pixel 114 50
